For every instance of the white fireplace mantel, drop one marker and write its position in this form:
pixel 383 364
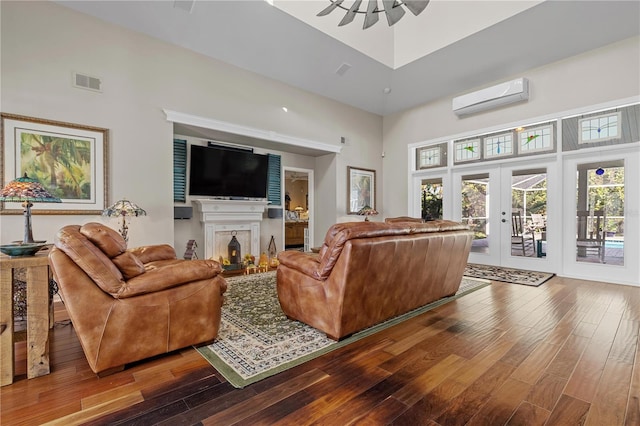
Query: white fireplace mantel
pixel 224 216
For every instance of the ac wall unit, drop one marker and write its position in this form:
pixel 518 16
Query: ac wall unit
pixel 492 97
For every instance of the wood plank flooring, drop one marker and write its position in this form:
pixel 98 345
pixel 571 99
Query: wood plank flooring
pixel 565 353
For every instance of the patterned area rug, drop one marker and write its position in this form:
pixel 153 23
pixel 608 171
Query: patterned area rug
pixel 508 275
pixel 256 340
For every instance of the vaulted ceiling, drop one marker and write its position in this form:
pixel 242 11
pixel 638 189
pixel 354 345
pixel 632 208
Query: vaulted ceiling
pixel 452 47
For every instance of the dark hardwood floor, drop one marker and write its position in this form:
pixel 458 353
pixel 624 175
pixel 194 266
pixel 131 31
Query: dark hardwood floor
pixel 565 353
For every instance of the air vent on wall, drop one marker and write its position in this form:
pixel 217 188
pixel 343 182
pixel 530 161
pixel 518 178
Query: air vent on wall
pixel 342 69
pixel 87 82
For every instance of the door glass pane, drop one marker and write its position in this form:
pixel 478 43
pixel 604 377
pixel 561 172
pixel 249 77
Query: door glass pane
pixel 431 198
pixel 600 212
pixel 475 209
pixel 529 213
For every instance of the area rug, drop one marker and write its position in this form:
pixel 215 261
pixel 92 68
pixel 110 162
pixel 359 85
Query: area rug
pixel 508 275
pixel 256 340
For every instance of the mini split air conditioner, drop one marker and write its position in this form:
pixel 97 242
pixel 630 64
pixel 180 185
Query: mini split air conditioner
pixel 492 97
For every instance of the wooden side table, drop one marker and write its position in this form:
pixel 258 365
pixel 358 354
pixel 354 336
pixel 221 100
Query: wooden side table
pixel 38 315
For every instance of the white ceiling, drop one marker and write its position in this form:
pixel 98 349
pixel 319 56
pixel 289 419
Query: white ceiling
pixel 451 48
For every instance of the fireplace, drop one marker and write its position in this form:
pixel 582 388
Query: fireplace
pixel 222 218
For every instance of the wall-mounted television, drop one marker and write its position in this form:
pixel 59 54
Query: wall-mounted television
pixel 226 172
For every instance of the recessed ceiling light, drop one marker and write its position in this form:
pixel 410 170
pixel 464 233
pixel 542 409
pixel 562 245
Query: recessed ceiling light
pixel 285 109
pixel 386 90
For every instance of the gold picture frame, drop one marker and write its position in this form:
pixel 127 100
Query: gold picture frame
pixel 70 160
pixel 361 187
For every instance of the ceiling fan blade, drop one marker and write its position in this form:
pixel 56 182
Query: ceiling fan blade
pixel 393 10
pixel 330 8
pixel 372 14
pixel 416 6
pixel 351 13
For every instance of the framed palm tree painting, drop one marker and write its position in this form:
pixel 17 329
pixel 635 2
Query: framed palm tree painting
pixel 70 160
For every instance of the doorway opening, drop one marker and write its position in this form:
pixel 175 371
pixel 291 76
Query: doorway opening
pixel 298 200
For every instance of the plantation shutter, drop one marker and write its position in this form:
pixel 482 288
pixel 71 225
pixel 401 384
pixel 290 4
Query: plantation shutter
pixel 179 170
pixel 274 194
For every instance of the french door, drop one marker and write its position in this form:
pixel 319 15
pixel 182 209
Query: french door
pixel 513 212
pixel 600 204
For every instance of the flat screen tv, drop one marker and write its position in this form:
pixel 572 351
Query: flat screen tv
pixel 223 172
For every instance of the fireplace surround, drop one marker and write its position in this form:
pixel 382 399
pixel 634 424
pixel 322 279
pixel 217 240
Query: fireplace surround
pixel 220 218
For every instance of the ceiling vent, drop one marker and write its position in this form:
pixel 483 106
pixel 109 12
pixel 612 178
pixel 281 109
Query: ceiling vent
pixel 492 97
pixel 84 81
pixel 342 69
pixel 186 5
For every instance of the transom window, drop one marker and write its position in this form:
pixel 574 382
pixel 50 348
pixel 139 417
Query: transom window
pixel 467 150
pixel 600 128
pixel 498 145
pixel 536 139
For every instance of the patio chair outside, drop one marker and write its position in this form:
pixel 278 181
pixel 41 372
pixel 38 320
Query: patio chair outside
pixel 521 237
pixel 591 233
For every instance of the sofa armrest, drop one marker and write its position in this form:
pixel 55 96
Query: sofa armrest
pixel 307 263
pixel 171 275
pixel 148 254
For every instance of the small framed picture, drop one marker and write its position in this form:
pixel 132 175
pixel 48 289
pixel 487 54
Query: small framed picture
pixel 361 187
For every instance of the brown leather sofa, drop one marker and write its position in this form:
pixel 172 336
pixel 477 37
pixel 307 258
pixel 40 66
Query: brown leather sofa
pixel 403 219
pixel 368 272
pixel 127 305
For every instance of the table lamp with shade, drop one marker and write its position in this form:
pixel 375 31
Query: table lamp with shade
pixel 123 208
pixel 27 191
pixel 367 211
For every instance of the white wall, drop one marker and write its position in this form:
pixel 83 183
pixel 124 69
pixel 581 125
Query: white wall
pixel 42 43
pixel 595 77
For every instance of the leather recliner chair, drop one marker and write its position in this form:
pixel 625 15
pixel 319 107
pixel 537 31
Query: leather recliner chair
pixel 128 305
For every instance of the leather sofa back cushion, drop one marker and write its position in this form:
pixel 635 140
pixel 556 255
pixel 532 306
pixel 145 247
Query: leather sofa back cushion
pixel 154 253
pixel 340 233
pixel 403 219
pixel 89 258
pixel 109 241
pixel 129 265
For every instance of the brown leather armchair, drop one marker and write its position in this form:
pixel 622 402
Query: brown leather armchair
pixel 127 305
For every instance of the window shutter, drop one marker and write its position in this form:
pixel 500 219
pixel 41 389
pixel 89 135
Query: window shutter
pixel 179 170
pixel 274 193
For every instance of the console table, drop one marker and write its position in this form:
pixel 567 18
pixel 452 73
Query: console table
pixel 294 233
pixel 38 315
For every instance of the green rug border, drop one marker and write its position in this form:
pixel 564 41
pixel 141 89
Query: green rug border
pixel 238 382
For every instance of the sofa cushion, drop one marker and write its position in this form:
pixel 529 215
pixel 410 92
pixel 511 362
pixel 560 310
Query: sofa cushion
pixel 91 259
pixel 109 241
pixel 154 253
pixel 340 233
pixel 403 219
pixel 172 274
pixel 439 225
pixel 129 265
